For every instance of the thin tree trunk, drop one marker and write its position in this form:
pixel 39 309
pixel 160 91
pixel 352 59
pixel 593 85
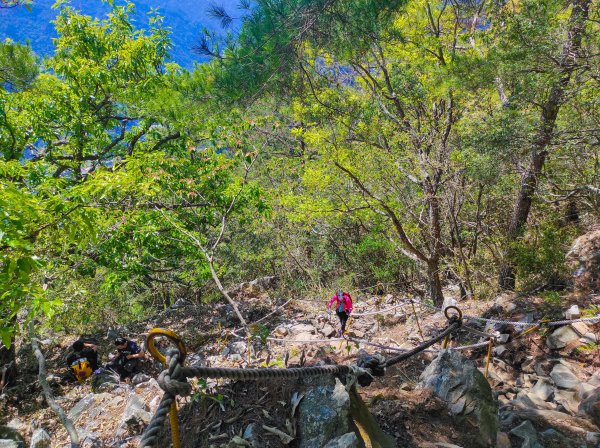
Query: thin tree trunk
pixel 225 293
pixel 66 422
pixel 8 366
pixel 434 283
pixel 545 133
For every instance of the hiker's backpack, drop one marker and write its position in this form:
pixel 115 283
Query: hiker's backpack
pixel 81 369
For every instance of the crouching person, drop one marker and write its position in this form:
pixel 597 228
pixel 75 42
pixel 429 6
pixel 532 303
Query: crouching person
pixel 128 359
pixel 83 361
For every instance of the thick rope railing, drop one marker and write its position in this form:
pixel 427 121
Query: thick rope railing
pixel 173 380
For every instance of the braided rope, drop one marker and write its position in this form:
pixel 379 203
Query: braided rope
pixel 455 325
pixel 371 313
pixel 592 319
pixel 265 373
pixel 169 380
pixel 404 350
pixel 173 380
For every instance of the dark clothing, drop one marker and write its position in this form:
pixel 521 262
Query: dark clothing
pixel 343 315
pixel 88 354
pixel 131 349
pixel 123 366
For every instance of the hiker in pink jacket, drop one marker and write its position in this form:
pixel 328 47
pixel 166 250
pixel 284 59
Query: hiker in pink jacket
pixel 343 308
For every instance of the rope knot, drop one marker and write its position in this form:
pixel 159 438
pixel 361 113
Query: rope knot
pixel 454 319
pixel 370 367
pixel 174 379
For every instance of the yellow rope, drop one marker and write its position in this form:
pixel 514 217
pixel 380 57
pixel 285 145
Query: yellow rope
pixel 176 339
pixel 529 330
pixel 459 314
pixel 489 357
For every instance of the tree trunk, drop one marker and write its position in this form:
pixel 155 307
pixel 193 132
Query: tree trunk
pixel 8 366
pixel 545 133
pixel 434 284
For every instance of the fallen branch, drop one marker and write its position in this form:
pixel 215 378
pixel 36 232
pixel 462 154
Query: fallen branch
pixel 66 422
pixel 574 426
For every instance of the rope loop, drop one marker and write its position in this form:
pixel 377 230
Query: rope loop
pixel 373 365
pixel 174 379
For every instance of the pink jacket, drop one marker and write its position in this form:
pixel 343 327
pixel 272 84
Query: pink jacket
pixel 346 302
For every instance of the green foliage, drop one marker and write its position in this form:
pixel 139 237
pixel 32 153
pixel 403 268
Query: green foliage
pixel 540 257
pixel 380 143
pixel 18 65
pixel 552 298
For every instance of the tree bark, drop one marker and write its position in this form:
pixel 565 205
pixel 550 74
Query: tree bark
pixel 434 283
pixel 60 413
pixel 545 133
pixel 8 366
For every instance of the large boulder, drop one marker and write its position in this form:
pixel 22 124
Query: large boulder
pixel 561 337
pixel 458 382
pixel 584 261
pixel 527 436
pixel 564 378
pixel 348 440
pixel 135 416
pixel 10 437
pixel 591 406
pixel 8 433
pixel 7 443
pixel 323 413
pixel 40 439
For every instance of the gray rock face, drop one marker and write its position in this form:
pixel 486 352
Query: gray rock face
pixel 40 439
pixel 457 381
pixel 348 440
pixel 542 389
pixel 527 434
pixel 89 439
pixel 104 381
pixel 561 337
pixel 584 261
pixel 135 417
pixel 323 413
pixel 551 438
pixel 302 328
pixel 563 377
pixel 327 330
pixel 6 443
pixel 11 434
pixel 591 406
pixel 85 403
pixel 140 378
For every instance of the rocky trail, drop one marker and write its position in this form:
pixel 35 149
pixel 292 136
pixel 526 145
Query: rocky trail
pixel 544 386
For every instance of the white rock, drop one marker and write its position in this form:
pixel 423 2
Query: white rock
pixel 302 328
pixel 595 379
pixel 561 337
pixel 449 301
pixel 584 390
pixel 563 377
pixel 40 439
pixel 238 347
pixel 5 443
pixel 543 389
pixel 573 313
pixel 589 338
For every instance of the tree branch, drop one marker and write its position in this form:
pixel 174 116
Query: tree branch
pixel 66 422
